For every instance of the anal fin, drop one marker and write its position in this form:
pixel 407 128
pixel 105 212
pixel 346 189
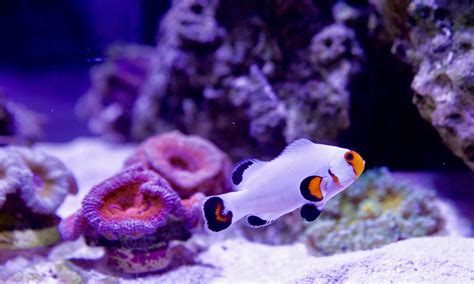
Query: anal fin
pixel 262 220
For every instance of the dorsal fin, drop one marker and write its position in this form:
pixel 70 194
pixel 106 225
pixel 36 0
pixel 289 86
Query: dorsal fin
pixel 297 146
pixel 244 169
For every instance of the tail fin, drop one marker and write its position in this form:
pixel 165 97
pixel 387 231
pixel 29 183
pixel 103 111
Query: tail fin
pixel 218 217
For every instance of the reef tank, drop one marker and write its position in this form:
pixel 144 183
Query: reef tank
pixel 212 141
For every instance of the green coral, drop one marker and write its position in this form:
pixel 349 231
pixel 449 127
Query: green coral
pixel 375 211
pixel 49 272
pixel 25 239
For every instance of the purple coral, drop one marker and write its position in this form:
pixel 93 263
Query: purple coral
pixel 72 227
pixel 41 181
pixel 32 186
pixel 13 174
pixel 133 203
pixel 191 164
pixel 134 215
pixel 49 181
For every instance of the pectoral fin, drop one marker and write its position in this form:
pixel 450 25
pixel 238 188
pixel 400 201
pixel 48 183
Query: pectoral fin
pixel 309 212
pixel 310 188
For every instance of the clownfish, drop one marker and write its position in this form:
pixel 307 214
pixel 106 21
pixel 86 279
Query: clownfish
pixel 305 175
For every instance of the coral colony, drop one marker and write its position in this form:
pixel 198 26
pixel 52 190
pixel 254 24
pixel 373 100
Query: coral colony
pixel 134 215
pixel 375 211
pixel 155 200
pixel 189 163
pixel 32 186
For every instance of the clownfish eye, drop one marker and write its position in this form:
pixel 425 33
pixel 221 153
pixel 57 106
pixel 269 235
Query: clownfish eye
pixel 355 161
pixel 348 156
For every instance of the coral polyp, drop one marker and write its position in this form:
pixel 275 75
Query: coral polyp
pixel 49 183
pixel 134 215
pixel 134 203
pixel 13 174
pixel 32 186
pixel 190 163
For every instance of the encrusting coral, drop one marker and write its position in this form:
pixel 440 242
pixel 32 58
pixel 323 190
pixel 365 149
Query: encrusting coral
pixel 436 38
pixel 223 69
pixel 135 215
pixel 189 163
pixel 374 211
pixel 32 186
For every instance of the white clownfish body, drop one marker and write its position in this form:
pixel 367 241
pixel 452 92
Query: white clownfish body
pixel 306 175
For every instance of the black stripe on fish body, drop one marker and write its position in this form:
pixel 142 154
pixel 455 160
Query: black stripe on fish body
pixel 310 188
pixel 309 212
pixel 214 213
pixel 256 221
pixel 238 173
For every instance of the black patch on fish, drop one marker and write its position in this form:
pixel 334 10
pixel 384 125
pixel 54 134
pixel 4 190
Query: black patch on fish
pixel 214 213
pixel 238 173
pixel 309 212
pixel 256 221
pixel 306 191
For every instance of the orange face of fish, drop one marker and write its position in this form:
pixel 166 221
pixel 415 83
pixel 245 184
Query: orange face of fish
pixel 355 160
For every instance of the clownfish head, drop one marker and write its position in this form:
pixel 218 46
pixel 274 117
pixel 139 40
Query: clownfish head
pixel 355 161
pixel 345 167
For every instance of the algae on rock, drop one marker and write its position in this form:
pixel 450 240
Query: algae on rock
pixel 437 39
pixel 375 211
